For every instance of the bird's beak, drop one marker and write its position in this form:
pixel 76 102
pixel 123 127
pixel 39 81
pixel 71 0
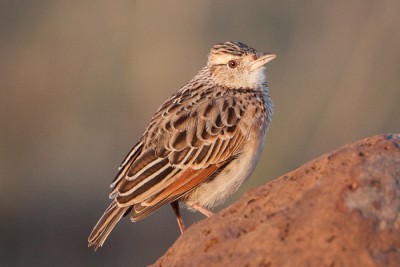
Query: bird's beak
pixel 261 61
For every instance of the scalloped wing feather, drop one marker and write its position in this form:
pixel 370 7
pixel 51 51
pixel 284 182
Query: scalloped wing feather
pixel 184 147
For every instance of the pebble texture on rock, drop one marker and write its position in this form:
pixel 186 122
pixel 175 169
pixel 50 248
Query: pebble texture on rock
pixel 342 209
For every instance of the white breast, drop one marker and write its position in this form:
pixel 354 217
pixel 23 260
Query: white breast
pixel 215 192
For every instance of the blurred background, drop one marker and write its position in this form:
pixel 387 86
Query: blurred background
pixel 79 80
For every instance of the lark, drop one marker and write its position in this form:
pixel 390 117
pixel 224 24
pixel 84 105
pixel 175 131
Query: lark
pixel 201 144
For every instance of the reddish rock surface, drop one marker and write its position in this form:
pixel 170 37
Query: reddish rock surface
pixel 342 209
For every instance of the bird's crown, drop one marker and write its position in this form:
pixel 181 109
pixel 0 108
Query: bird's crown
pixel 233 48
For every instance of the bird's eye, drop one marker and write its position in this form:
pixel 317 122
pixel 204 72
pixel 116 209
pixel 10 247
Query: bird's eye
pixel 232 64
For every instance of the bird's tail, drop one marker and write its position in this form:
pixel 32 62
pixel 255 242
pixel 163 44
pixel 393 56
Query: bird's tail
pixel 105 225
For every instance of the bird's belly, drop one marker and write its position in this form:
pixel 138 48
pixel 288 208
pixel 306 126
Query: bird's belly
pixel 216 191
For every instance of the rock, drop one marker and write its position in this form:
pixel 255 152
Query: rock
pixel 342 209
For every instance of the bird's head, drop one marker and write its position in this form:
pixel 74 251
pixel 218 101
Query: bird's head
pixel 236 65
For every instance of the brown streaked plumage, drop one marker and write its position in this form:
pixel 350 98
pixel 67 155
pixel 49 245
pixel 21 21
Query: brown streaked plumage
pixel 201 144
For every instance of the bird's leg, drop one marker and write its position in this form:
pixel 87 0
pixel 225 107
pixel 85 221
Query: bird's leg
pixel 175 207
pixel 203 210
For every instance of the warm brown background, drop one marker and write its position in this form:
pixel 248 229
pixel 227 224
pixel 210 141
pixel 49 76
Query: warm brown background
pixel 80 80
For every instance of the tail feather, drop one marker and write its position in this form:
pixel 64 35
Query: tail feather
pixel 106 224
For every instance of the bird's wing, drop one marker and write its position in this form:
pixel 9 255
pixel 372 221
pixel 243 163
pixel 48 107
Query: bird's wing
pixel 183 146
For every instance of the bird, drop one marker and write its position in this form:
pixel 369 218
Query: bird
pixel 202 143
